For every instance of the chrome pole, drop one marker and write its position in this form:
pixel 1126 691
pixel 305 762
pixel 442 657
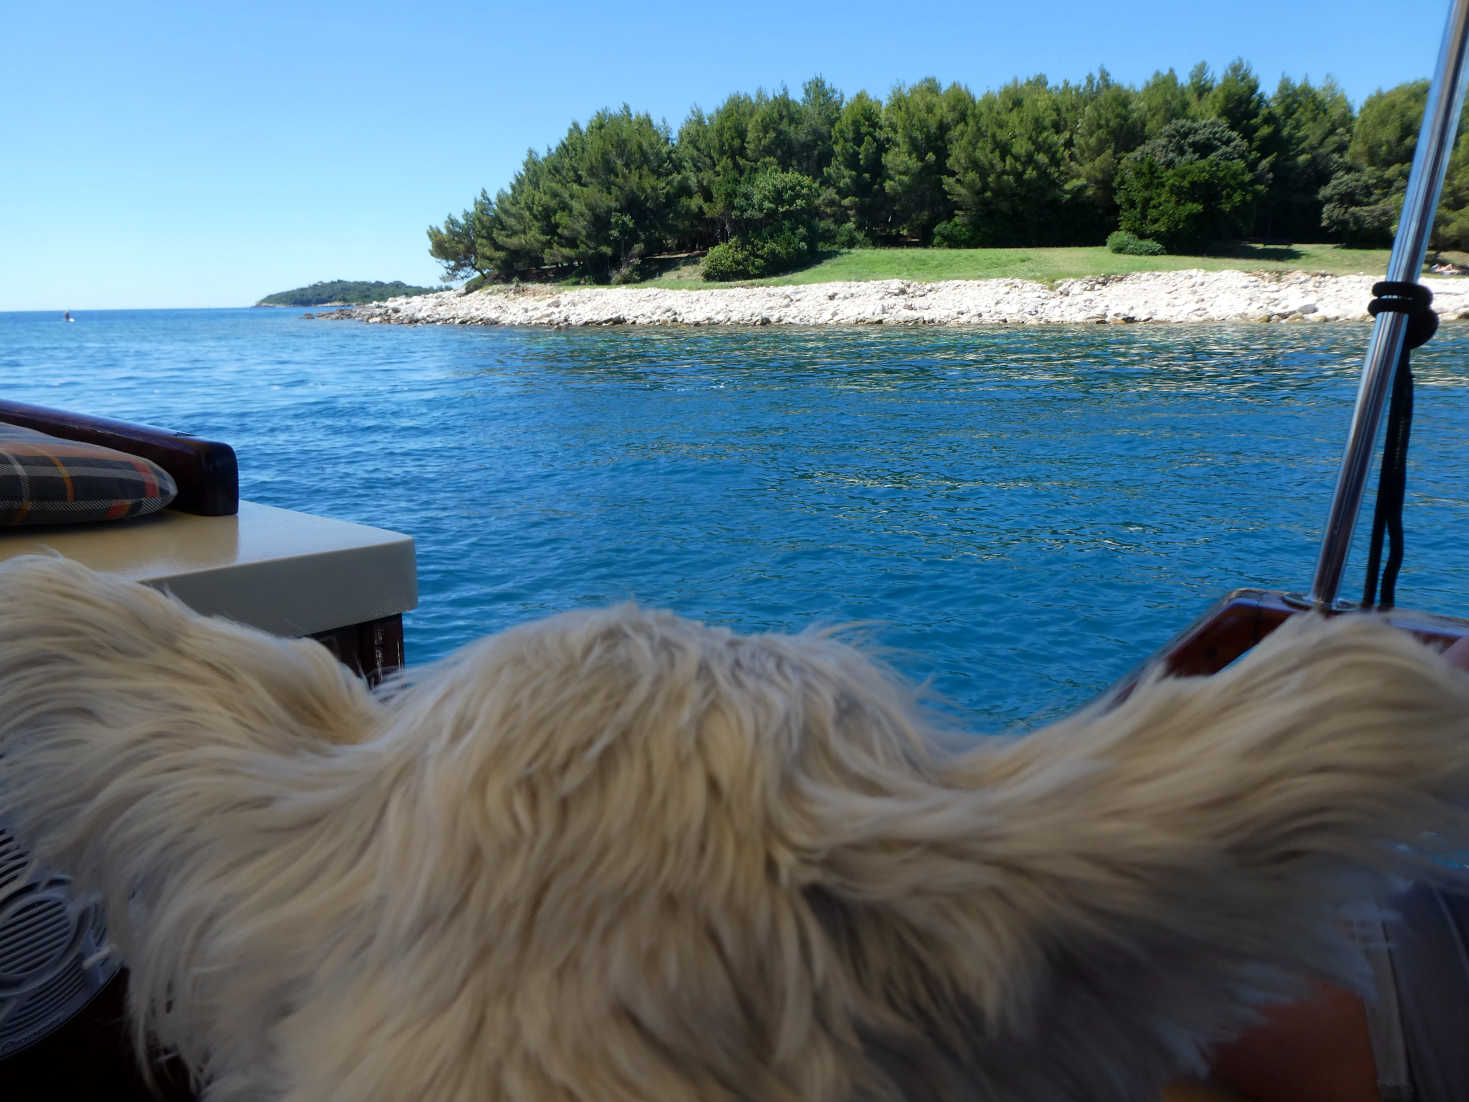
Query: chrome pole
pixel 1430 162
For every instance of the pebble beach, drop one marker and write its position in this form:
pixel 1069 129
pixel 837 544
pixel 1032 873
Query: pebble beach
pixel 1138 297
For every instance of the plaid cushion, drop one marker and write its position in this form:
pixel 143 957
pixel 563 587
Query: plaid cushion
pixel 47 480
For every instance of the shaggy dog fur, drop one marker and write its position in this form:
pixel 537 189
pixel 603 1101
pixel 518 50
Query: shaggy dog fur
pixel 616 856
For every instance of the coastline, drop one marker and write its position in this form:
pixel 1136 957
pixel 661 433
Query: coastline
pixel 1180 296
pixel 298 306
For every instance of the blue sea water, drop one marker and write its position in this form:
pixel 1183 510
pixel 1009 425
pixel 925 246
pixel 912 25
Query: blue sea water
pixel 1025 513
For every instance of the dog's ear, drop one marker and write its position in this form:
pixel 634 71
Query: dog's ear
pixel 110 690
pixel 182 768
pixel 1165 865
pixel 69 633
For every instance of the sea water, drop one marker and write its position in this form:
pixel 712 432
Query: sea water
pixel 1021 515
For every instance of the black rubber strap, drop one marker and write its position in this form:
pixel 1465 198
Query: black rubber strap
pixel 1414 300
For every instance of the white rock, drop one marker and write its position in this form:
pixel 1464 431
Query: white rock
pixel 1192 296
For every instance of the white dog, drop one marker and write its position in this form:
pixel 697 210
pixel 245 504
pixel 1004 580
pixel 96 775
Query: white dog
pixel 618 856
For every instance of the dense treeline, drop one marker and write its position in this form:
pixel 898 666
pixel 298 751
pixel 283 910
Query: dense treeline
pixel 767 179
pixel 351 292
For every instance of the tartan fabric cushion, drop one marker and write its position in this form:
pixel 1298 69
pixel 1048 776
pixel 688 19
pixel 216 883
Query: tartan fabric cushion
pixel 47 480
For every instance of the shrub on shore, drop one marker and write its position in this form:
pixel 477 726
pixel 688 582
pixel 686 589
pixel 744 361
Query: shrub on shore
pixel 732 260
pixel 772 253
pixel 1130 244
pixel 775 216
pixel 1191 186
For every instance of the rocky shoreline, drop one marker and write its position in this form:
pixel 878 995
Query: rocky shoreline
pixel 1185 296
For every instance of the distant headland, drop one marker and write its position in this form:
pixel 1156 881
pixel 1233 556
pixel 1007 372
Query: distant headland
pixel 344 292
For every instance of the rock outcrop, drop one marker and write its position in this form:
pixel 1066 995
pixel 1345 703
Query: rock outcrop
pixel 1186 296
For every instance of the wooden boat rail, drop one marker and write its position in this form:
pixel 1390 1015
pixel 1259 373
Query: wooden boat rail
pixel 1241 619
pixel 206 472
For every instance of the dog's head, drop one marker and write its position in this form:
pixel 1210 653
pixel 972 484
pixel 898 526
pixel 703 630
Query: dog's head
pixel 619 855
pixel 683 830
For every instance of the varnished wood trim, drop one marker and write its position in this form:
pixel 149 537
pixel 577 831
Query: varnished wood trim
pixel 373 649
pixel 1241 619
pixel 205 471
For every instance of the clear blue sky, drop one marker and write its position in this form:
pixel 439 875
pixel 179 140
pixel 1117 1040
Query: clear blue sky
pixel 206 154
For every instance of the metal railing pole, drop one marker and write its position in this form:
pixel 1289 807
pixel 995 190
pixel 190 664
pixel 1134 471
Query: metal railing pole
pixel 1430 163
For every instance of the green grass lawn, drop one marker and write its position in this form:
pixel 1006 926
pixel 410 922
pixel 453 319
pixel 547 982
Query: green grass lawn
pixel 1043 265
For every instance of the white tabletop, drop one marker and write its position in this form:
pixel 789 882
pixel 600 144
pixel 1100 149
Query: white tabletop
pixel 282 571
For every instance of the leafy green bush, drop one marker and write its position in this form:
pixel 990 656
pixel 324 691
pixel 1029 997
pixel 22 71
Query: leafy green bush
pixel 1451 231
pixel 955 234
pixel 845 236
pixel 784 247
pixel 1360 206
pixel 771 196
pixel 634 270
pixel 1130 244
pixel 732 260
pixel 776 228
pixel 1190 187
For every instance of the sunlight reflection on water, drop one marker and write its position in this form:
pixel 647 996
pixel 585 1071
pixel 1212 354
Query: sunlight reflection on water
pixel 1028 511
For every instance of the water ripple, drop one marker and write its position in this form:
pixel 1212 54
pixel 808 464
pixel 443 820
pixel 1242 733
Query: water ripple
pixel 1028 511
